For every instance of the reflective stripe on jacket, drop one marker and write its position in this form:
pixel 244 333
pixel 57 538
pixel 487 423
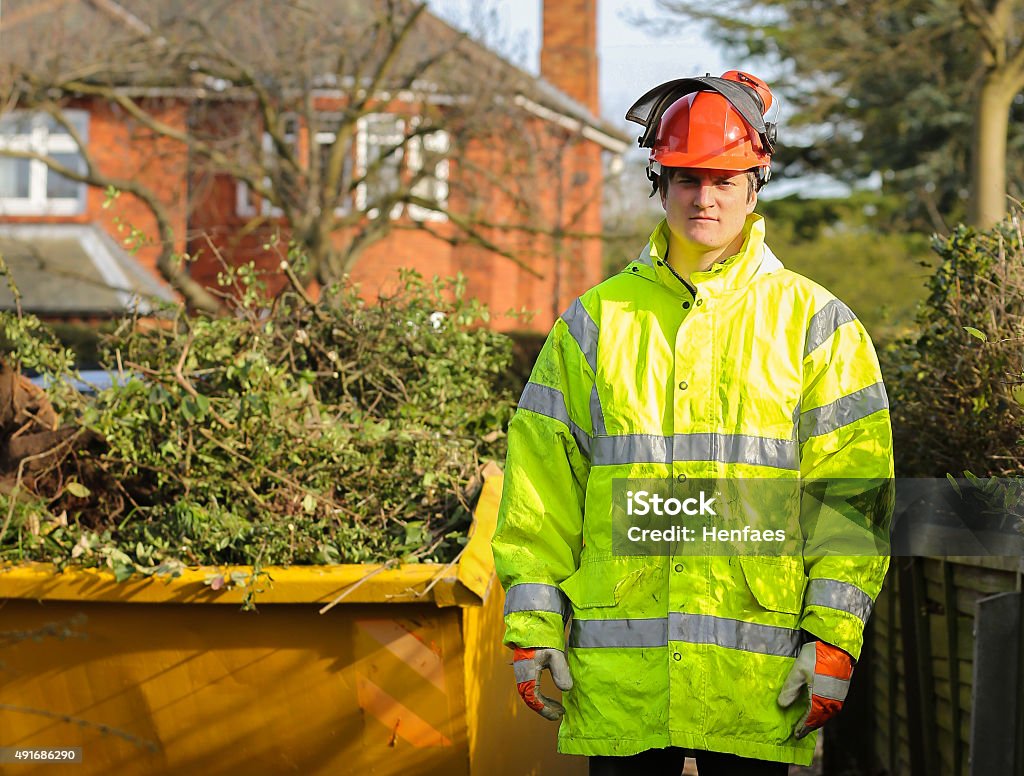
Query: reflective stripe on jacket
pixel 761 374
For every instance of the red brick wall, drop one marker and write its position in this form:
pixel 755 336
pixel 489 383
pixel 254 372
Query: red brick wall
pixel 376 272
pixel 559 176
pixel 125 149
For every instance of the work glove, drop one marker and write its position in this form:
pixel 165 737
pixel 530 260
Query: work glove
pixel 825 671
pixel 527 664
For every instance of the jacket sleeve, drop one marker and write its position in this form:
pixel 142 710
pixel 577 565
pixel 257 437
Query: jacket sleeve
pixel 538 537
pixel 846 463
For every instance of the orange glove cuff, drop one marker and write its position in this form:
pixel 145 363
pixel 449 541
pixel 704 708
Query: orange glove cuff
pixel 832 661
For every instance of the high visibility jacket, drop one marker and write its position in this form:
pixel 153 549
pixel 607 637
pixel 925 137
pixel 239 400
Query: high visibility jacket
pixel 762 373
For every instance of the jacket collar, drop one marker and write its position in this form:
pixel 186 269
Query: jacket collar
pixel 752 260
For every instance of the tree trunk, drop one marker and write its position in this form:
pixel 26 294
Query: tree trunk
pixel 988 160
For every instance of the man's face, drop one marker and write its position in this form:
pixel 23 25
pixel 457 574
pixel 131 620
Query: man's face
pixel 707 208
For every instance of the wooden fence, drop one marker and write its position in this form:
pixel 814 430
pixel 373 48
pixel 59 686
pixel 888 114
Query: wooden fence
pixel 910 710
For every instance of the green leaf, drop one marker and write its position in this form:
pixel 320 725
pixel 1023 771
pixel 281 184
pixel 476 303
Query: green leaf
pixel 956 486
pixel 976 333
pixel 309 503
pixel 415 536
pixel 78 490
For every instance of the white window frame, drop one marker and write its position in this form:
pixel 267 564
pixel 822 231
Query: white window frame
pixel 433 187
pixel 363 154
pixel 408 159
pixel 40 140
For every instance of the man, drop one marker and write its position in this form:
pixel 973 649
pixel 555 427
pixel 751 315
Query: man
pixel 703 359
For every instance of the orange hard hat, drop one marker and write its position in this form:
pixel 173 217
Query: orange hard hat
pixel 715 123
pixel 704 129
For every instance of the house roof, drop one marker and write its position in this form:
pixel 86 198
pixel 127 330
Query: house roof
pixel 74 270
pixel 258 32
pixel 537 91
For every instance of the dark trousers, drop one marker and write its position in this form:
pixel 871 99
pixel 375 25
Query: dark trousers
pixel 670 761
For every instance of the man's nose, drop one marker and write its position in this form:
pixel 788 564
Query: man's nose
pixel 705 196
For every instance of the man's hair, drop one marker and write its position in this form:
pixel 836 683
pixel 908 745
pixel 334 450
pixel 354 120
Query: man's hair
pixel 753 183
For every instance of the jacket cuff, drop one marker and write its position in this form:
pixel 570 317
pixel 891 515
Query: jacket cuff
pixel 838 628
pixel 534 629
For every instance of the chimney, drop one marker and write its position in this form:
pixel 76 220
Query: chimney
pixel 568 55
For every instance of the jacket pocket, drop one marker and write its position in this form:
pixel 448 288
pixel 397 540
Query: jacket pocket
pixel 777 583
pixel 599 584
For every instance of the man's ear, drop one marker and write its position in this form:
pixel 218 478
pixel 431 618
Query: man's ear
pixel 751 202
pixel 662 190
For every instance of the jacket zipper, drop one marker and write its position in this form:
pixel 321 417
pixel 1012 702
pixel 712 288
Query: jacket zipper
pixel 691 289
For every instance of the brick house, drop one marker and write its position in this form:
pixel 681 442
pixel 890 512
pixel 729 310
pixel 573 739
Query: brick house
pixel 76 252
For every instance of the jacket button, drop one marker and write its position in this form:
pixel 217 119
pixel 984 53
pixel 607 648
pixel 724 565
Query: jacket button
pixel 676 656
pixel 681 477
pixel 636 269
pixel 679 567
pixel 686 305
pixel 683 385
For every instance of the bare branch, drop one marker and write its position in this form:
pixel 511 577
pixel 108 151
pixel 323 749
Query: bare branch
pixel 383 69
pixel 123 15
